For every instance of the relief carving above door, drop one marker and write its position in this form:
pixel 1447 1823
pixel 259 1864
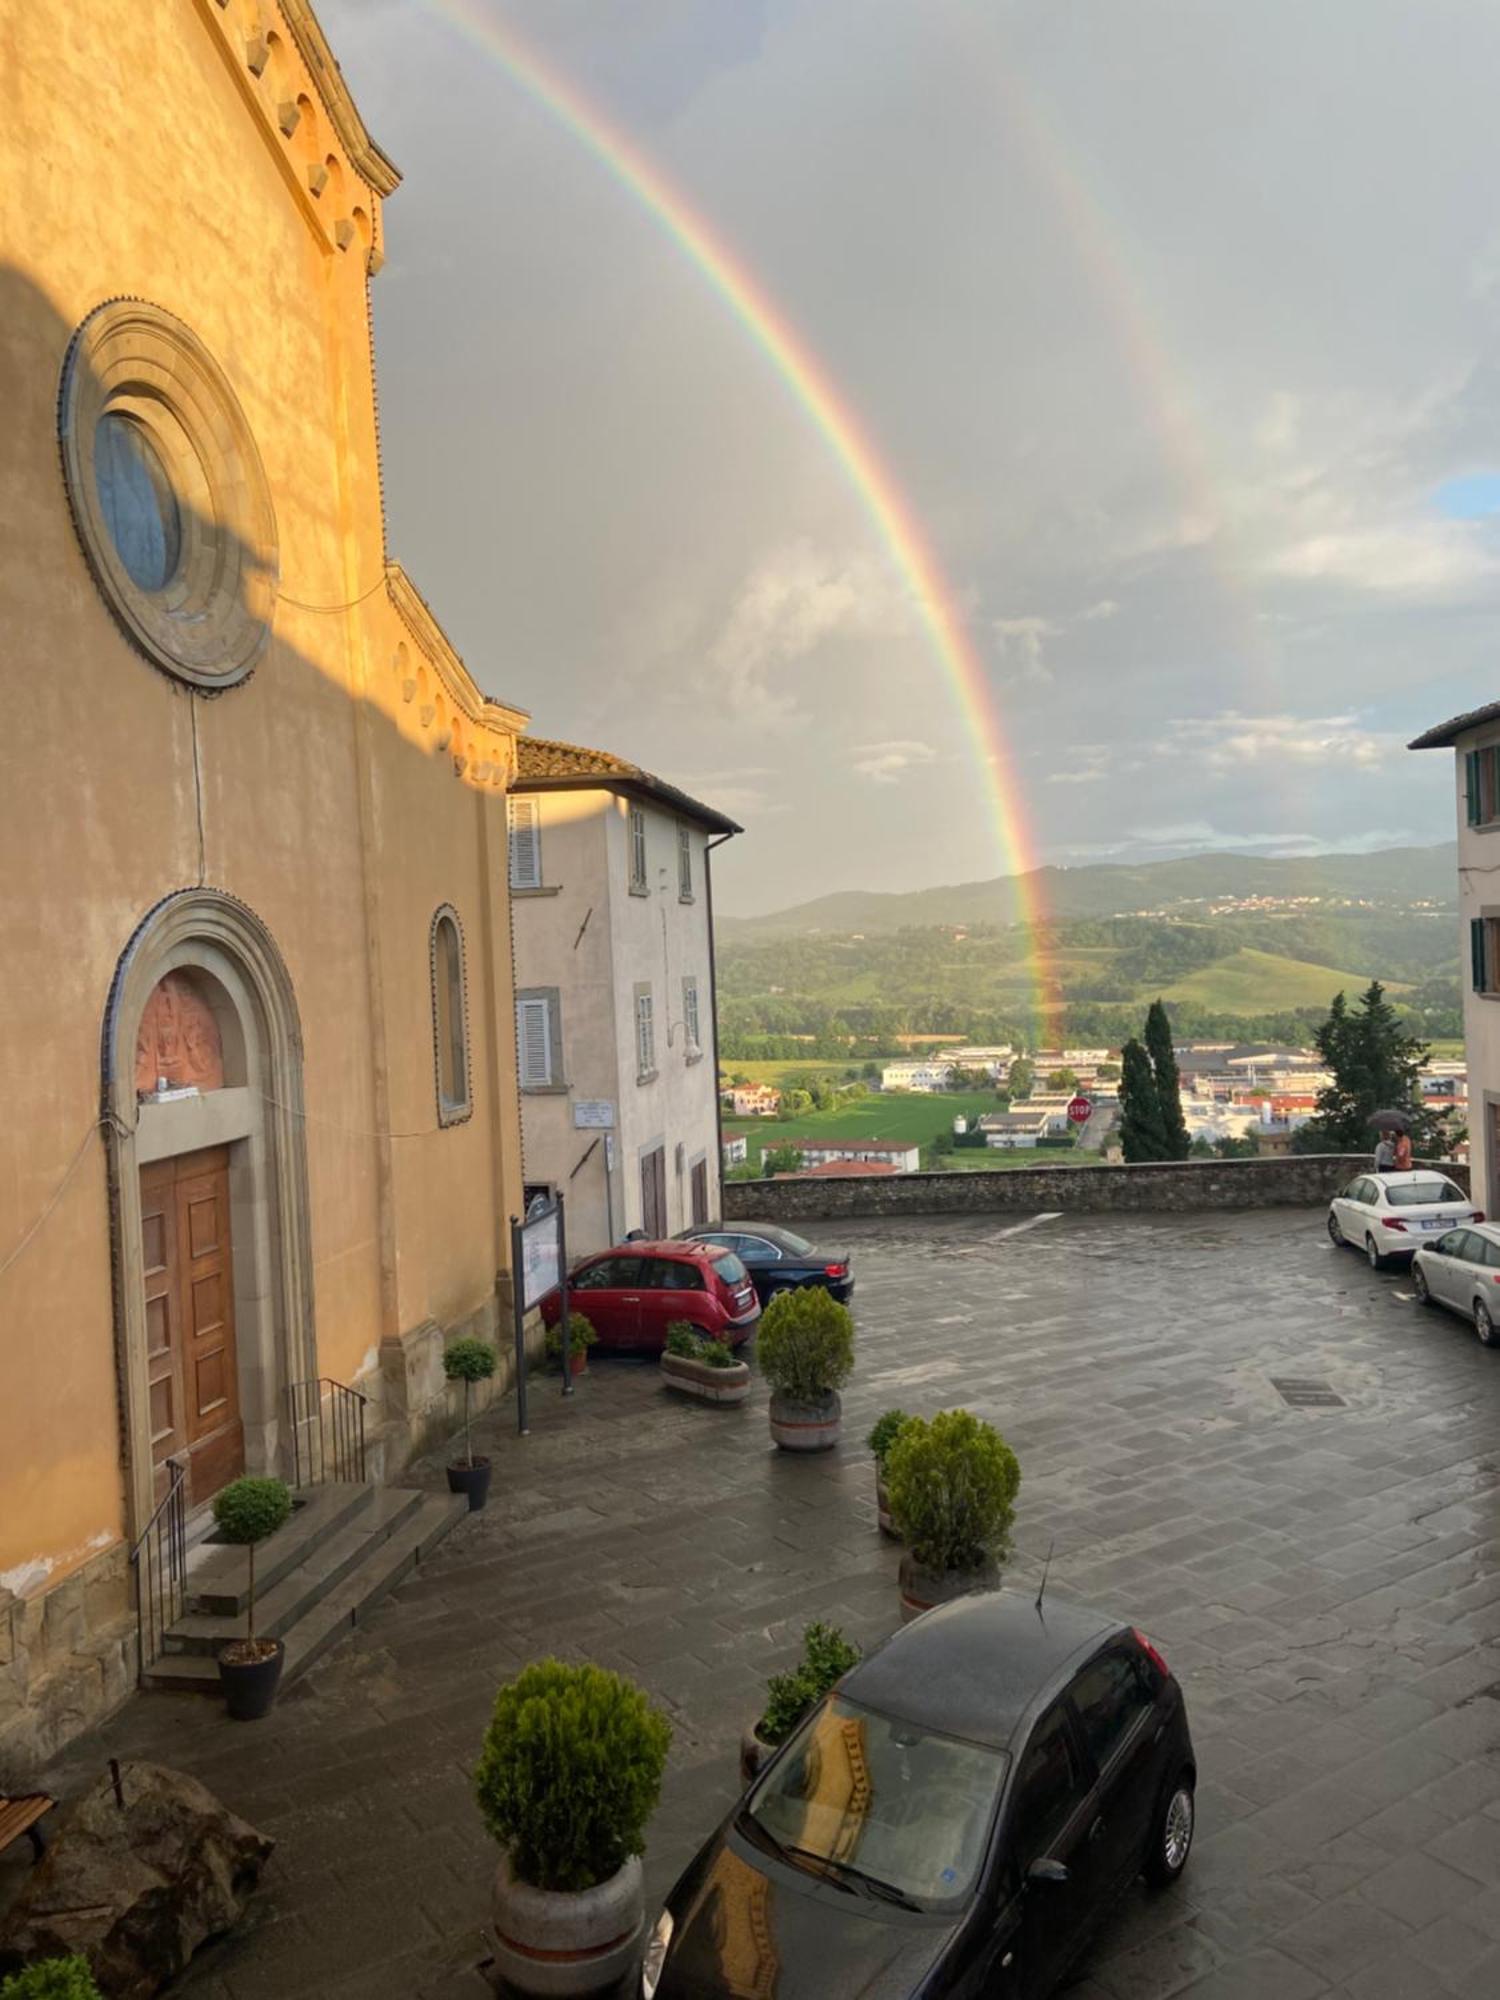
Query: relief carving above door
pixel 178 1039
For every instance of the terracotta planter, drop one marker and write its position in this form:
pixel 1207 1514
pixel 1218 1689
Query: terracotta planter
pixel 710 1385
pixel 471 1480
pixel 883 1508
pixel 755 1754
pixel 922 1588
pixel 806 1426
pixel 550 1941
pixel 578 1361
pixel 250 1685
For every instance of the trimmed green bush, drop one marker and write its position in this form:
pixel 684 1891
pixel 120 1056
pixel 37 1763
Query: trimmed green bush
pixel 581 1337
pixel 952 1486
pixel 570 1773
pixel 826 1657
pixel 806 1344
pixel 883 1436
pixel 469 1361
pixel 245 1512
pixel 689 1345
pixel 52 1979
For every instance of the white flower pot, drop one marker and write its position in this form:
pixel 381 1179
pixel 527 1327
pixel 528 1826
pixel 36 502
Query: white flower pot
pixel 571 1942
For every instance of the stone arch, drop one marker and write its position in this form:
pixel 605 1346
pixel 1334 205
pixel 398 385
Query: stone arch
pixel 221 943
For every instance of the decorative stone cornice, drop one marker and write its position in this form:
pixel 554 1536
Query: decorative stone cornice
pixel 480 713
pixel 368 161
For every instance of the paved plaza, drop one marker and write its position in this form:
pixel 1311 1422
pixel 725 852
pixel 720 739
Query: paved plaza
pixel 1324 1579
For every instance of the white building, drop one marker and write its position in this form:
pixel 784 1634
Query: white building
pixel 1475 739
pixel 612 927
pixel 1006 1130
pixel 895 1153
pixel 736 1149
pixel 917 1073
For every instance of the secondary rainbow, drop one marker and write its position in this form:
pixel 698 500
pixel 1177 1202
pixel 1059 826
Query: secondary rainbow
pixel 809 382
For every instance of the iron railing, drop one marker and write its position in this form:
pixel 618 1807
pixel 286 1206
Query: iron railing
pixel 328 1431
pixel 159 1560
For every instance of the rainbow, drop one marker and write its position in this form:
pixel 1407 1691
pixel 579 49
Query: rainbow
pixel 814 390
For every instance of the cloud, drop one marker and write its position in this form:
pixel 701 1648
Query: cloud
pixel 1022 653
pixel 1097 613
pixel 1232 740
pixel 1420 561
pixel 886 762
pixel 1087 764
pixel 794 601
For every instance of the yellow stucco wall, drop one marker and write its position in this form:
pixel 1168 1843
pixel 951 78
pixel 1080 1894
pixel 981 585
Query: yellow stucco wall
pixel 141 156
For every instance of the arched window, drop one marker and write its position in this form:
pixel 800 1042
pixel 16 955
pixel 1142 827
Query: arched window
pixel 450 1027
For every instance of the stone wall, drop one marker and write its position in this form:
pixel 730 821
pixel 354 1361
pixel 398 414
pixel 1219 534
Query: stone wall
pixel 67 1658
pixel 1292 1181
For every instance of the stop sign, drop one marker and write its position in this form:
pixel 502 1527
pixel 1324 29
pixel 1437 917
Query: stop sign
pixel 1080 1111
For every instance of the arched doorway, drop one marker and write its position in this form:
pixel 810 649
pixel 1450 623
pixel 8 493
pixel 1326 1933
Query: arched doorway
pixel 203 1102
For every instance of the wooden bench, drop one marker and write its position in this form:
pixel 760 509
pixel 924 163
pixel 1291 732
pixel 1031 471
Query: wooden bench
pixel 24 1814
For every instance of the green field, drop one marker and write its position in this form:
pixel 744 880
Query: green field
pixel 790 1072
pixel 1260 982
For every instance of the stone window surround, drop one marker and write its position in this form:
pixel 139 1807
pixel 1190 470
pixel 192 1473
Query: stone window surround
pixel 557 1084
pixel 211 621
pixel 210 931
pixel 454 1111
pixel 640 878
pixel 643 991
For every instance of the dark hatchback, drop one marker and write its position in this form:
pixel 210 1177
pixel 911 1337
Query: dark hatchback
pixel 779 1260
pixel 951 1821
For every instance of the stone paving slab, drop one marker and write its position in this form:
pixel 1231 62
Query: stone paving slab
pixel 1325 1581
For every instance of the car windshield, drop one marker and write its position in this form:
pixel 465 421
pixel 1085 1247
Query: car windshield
pixel 1422 1194
pixel 881 1803
pixel 729 1267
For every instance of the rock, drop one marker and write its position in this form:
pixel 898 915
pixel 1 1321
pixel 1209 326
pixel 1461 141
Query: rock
pixel 136 1892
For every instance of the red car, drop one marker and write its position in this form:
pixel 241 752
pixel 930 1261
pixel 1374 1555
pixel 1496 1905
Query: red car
pixel 632 1294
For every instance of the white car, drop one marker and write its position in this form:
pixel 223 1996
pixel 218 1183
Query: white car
pixel 1462 1270
pixel 1388 1215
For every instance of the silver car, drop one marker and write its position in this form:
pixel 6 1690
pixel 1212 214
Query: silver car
pixel 1388 1215
pixel 1461 1270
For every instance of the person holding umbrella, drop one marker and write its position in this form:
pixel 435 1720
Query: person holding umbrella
pixel 1393 1147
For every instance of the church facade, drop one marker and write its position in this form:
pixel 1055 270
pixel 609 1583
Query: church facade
pixel 257 1052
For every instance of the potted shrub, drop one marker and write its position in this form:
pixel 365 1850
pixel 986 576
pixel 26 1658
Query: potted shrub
pixel 826 1657
pixel 581 1337
pixel 470 1361
pixel 702 1367
pixel 806 1350
pixel 51 1979
pixel 569 1775
pixel 952 1484
pixel 250 1669
pixel 880 1440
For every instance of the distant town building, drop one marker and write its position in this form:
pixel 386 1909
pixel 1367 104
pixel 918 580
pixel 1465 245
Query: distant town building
pixel 1475 740
pixel 753 1100
pixel 1006 1130
pixel 898 1156
pixel 918 1073
pixel 844 1170
pixel 736 1149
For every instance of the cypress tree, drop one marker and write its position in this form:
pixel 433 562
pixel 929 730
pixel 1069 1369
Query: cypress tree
pixel 1168 1082
pixel 1142 1134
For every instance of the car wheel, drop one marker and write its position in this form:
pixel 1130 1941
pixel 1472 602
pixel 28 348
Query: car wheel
pixel 1419 1284
pixel 1335 1234
pixel 1484 1326
pixel 1171 1834
pixel 1373 1256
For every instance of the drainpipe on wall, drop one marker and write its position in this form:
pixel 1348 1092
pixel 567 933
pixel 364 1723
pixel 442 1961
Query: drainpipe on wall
pixel 713 1003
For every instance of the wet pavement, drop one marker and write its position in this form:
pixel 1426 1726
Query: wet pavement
pixel 1324 1579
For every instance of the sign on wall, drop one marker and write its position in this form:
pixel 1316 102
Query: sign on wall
pixel 593 1114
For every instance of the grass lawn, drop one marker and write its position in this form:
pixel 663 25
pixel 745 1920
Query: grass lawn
pixel 1260 982
pixel 911 1118
pixel 780 1070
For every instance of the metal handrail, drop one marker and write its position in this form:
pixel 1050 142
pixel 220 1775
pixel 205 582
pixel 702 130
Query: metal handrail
pixel 328 1431
pixel 159 1559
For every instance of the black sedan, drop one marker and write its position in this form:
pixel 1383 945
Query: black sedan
pixel 779 1260
pixel 950 1821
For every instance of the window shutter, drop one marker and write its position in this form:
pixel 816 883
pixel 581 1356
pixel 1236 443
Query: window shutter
pixel 525 845
pixel 1471 784
pixel 1477 954
pixel 534 1039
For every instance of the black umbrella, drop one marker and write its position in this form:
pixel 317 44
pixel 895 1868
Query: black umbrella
pixel 1390 1121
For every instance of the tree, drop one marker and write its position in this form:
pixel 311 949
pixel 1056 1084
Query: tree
pixel 780 1160
pixel 1168 1083
pixel 1375 1066
pixel 1142 1134
pixel 1063 1079
pixel 1022 1074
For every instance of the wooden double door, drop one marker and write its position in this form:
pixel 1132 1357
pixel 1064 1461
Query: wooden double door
pixel 191 1362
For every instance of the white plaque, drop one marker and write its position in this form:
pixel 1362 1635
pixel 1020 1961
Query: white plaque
pixel 593 1114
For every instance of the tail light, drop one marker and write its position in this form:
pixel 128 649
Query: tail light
pixel 1392 1222
pixel 1153 1653
pixel 835 1270
pixel 1477 1216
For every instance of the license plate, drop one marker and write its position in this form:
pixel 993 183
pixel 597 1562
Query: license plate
pixel 1436 1222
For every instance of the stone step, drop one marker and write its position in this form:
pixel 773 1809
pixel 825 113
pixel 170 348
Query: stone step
pixel 340 1603
pixel 325 1566
pixel 218 1573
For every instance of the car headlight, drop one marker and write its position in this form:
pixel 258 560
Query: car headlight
pixel 656 1955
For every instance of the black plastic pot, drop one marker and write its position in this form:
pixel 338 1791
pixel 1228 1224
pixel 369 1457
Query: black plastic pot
pixel 250 1685
pixel 473 1480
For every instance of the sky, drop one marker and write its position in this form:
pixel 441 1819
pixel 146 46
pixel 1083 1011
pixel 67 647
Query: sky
pixel 1173 324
